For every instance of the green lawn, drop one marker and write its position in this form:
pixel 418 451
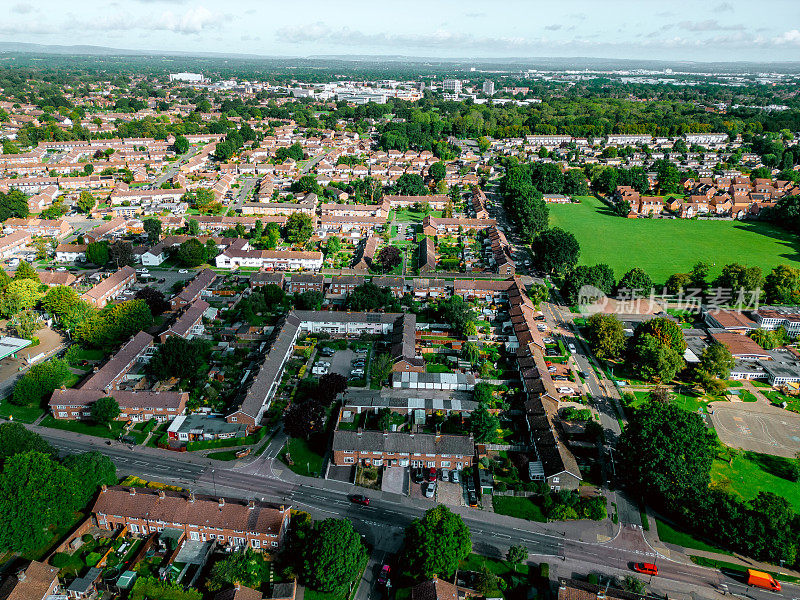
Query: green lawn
pixel 626 243
pixel 752 472
pixel 413 216
pixel 517 506
pixel 672 536
pixel 23 414
pixel 306 456
pixel 86 428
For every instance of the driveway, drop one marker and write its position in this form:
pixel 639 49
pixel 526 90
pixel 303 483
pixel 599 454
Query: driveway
pixel 395 480
pixel 450 494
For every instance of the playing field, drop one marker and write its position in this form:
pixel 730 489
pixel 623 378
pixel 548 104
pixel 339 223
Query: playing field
pixel 665 246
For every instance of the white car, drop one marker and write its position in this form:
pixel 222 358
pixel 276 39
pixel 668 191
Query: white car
pixel 142 271
pixel 572 348
pixel 323 363
pixel 565 390
pixel 541 327
pixel 357 372
pixel 183 271
pixel 549 341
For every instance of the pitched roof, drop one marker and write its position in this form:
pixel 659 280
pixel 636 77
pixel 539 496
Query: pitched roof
pixel 396 442
pixel 33 585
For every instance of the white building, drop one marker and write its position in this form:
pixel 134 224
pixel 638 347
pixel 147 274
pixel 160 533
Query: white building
pixel 452 85
pixel 187 77
pixel 488 88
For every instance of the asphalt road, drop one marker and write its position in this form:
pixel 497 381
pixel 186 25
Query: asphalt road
pixel 383 522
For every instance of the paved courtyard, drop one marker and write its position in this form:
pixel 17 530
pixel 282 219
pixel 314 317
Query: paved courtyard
pixel 450 494
pixel 395 480
pixel 757 427
pixel 340 362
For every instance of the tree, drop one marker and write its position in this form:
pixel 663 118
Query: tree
pixel 181 145
pixel 97 253
pixel 667 453
pixel 237 567
pixel 154 298
pixel 330 386
pixel 458 313
pixel 152 588
pixel 369 297
pixel 272 235
pixel 606 335
pixel 483 424
pixel 389 257
pixel 273 295
pixel 633 584
pixel 105 410
pixel 13 204
pixel 654 361
pixel 20 294
pixel 782 285
pixel 114 323
pixel 86 202
pixel 717 360
pixel 437 171
pixel 381 367
pixel 436 544
pixel 304 419
pixel 193 227
pixel 192 253
pixel 517 555
pixel 310 300
pixel 26 271
pixel 735 277
pixel 15 438
pixel 333 556
pixel 470 353
pixel 410 184
pixel 26 323
pixel 121 253
pixel 579 282
pixel 666 331
pixel 298 228
pixel 40 381
pixel 555 250
pixel 36 493
pixel 636 282
pixel 152 227
pixel 181 358
pixel 332 246
pixel 698 277
pixel 91 470
pixel 307 183
pixel 677 283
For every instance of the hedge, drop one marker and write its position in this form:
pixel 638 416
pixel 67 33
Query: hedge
pixel 249 440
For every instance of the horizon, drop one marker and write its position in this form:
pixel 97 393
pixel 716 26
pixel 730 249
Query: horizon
pixel 722 31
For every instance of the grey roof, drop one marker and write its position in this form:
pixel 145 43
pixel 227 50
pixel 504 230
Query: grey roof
pixel 201 281
pixel 404 334
pixel 434 400
pixel 404 443
pixel 333 316
pixel 276 278
pixel 270 370
pixel 211 426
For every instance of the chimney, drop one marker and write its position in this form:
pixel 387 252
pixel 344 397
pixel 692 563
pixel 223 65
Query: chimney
pixel 21 576
pixel 251 504
pixel 360 431
pixel 133 491
pixel 161 494
pixel 221 502
pixel 282 507
pixel 103 488
pixel 191 497
pixel 385 433
pixel 438 437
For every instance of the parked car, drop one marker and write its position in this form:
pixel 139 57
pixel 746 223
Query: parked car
pixel 455 477
pixel 183 271
pixel 552 369
pixel 430 489
pixel 162 280
pixel 541 327
pixel 444 475
pixel 549 341
pixel 362 350
pixel 327 351
pixel 417 476
pixel 432 474
pixel 572 348
pixel 323 363
pixel 560 378
pixel 357 372
pixel 359 499
pixel 472 499
pixel 565 390
pixel 383 577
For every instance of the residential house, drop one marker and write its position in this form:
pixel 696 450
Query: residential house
pixel 37 581
pixel 108 289
pixel 71 253
pixel 231 522
pixel 427 255
pixel 195 290
pixel 382 448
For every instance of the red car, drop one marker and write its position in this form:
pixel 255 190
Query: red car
pixel 645 568
pixel 359 499
pixel 432 474
pixel 383 578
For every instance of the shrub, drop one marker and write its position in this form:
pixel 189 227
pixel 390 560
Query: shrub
pixel 60 560
pixel 500 486
pixel 87 537
pixel 92 559
pixel 544 570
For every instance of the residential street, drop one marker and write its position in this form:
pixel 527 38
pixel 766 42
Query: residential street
pixel 577 546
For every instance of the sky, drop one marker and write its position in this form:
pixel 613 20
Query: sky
pixel 697 30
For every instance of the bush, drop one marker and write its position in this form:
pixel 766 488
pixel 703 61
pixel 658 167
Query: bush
pixel 500 486
pixel 92 559
pixel 60 560
pixel 87 537
pixel 544 570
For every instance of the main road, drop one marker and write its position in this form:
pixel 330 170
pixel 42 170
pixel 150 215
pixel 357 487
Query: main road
pixel 383 522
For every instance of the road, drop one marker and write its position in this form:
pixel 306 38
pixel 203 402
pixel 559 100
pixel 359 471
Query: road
pixel 383 522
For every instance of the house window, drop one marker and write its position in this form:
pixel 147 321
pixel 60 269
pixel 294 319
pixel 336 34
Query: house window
pixel 256 543
pixel 349 460
pixel 234 419
pixel 274 544
pixel 555 479
pixel 445 464
pixel 431 464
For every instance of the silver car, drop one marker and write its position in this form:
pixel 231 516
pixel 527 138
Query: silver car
pixel 430 489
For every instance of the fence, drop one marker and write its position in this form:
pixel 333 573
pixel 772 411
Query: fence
pixel 510 447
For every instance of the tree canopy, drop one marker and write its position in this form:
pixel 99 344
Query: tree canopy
pixel 333 556
pixel 436 544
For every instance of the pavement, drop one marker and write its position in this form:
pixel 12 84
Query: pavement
pixel 757 427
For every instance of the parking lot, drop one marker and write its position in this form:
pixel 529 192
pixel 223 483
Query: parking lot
pixel 449 493
pixel 340 362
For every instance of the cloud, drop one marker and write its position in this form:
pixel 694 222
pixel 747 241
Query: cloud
pixel 554 27
pixel 475 15
pixel 723 7
pixel 22 9
pixel 789 37
pixel 708 25
pixel 193 20
pixel 31 27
